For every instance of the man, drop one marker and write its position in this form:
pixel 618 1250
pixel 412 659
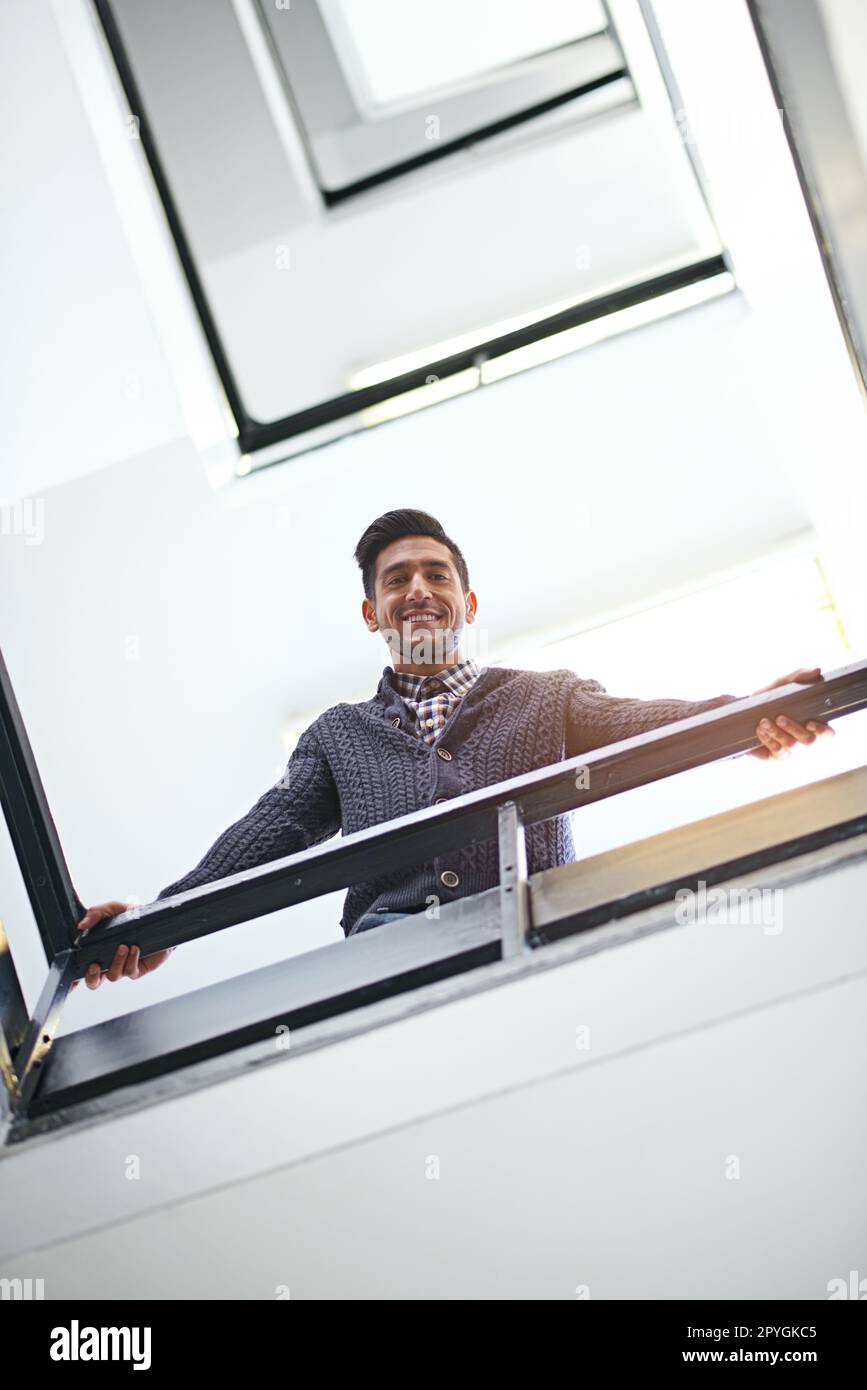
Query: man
pixel 437 727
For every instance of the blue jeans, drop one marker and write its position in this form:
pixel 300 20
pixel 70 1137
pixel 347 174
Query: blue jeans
pixel 378 919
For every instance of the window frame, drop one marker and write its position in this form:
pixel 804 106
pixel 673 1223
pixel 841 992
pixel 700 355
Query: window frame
pixel 273 441
pixel 506 99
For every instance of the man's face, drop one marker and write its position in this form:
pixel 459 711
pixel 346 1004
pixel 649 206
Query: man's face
pixel 419 605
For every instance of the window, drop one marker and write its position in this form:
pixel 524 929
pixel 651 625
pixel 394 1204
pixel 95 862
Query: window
pixel 686 647
pixel 344 271
pixel 381 89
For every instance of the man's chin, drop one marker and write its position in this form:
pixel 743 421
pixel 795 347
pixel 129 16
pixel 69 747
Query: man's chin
pixel 425 646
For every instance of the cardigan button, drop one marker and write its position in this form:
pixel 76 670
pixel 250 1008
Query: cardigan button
pixel 450 878
pixel 439 799
pixel 395 723
pixel 445 754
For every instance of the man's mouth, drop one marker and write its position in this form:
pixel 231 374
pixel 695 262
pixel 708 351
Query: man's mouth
pixel 421 615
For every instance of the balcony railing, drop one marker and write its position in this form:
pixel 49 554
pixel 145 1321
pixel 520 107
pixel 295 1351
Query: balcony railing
pixel 501 929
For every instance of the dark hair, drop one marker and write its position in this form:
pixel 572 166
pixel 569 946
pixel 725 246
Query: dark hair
pixel 393 526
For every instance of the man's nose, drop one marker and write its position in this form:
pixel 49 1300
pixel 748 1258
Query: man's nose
pixel 418 589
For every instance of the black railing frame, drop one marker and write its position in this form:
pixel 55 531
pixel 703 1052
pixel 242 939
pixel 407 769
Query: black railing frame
pixel 502 811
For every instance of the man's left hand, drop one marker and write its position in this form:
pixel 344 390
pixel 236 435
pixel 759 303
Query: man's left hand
pixel 778 733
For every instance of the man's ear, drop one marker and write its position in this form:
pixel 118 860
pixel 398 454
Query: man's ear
pixel 472 604
pixel 368 612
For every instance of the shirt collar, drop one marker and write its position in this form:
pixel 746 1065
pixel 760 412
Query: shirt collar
pixel 457 678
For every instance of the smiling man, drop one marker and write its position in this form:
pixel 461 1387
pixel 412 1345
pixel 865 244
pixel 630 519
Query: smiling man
pixel 438 726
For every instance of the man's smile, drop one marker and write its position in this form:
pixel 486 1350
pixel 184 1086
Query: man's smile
pixel 421 615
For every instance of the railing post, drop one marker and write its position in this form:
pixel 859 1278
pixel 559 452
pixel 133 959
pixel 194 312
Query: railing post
pixel 55 903
pixel 514 888
pixel 39 1035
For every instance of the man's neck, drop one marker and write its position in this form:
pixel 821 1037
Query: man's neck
pixel 415 668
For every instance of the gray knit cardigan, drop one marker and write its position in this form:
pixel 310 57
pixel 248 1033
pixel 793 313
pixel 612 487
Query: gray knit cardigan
pixel 358 765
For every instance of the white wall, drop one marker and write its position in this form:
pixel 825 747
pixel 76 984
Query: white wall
pixel 162 633
pixel 610 1166
pixel 845 23
pixel 85 382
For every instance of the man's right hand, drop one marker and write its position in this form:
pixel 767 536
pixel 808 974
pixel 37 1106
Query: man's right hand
pixel 128 963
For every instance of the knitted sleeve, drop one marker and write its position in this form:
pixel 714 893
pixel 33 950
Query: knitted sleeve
pixel 299 811
pixel 595 718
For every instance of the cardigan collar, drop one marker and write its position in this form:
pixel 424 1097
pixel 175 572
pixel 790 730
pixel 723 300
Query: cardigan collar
pixel 391 702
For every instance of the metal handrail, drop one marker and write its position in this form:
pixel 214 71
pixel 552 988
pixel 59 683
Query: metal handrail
pixel 426 834
pixel 503 810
